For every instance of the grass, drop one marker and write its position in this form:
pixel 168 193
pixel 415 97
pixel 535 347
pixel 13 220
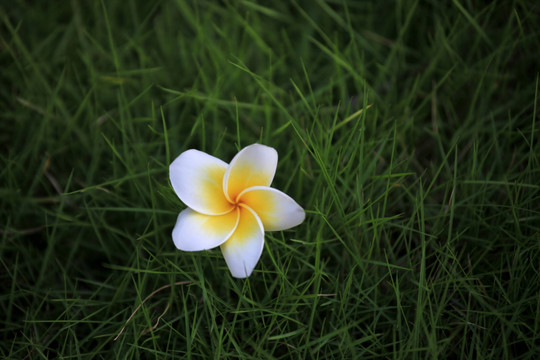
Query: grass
pixel 408 130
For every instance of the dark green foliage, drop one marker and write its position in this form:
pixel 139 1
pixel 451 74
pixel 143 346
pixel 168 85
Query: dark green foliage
pixel 422 235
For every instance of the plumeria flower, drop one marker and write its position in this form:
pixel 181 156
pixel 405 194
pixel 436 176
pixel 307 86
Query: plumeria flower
pixel 230 205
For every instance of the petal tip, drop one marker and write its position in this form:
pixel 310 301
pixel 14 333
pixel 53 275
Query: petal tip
pixel 301 215
pixel 241 275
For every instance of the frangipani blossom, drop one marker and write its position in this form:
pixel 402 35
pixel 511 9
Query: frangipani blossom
pixel 230 205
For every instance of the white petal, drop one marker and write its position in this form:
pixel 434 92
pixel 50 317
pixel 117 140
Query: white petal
pixel 277 210
pixel 194 231
pixel 254 165
pixel 243 249
pixel 197 179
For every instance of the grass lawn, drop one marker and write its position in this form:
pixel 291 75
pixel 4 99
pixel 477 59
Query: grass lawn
pixel 407 130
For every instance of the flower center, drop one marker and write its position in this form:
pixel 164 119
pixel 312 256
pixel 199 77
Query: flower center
pixel 237 203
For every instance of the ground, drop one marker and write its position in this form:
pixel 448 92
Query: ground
pixel 407 130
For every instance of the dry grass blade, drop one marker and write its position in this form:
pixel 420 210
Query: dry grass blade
pixel 145 299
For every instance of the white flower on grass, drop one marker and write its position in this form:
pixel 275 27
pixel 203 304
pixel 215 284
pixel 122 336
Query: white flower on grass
pixel 230 205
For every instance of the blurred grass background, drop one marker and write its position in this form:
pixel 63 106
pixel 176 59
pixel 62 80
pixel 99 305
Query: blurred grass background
pixel 407 130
